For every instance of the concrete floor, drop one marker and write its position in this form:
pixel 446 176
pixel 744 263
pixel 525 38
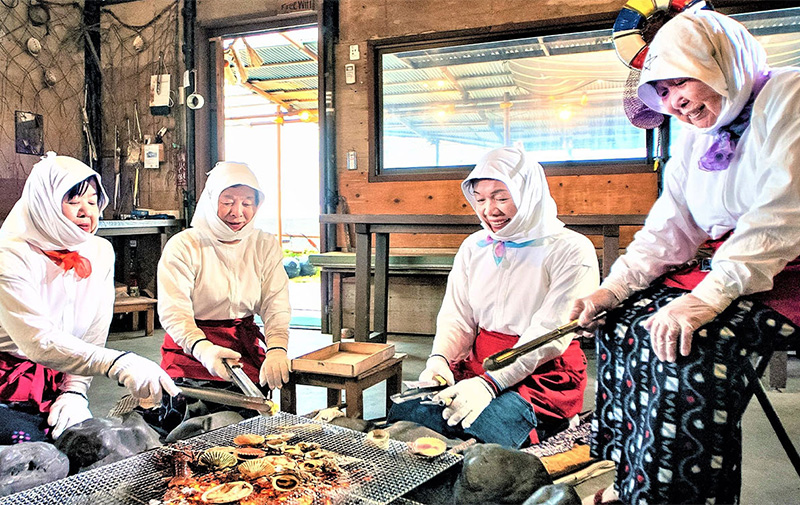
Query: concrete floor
pixel 768 477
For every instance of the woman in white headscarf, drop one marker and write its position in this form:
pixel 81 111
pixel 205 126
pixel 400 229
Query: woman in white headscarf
pixel 214 277
pixel 510 283
pixel 56 304
pixel 673 423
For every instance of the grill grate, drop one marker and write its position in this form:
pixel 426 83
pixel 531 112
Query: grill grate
pixel 378 476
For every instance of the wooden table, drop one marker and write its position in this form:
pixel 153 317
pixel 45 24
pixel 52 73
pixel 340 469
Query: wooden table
pixel 136 304
pixel 390 370
pixel 382 225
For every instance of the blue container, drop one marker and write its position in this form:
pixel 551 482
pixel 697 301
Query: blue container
pixel 292 267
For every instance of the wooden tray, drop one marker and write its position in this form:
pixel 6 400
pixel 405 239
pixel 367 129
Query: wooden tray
pixel 347 359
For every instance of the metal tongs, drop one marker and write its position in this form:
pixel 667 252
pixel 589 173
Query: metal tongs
pixel 252 398
pixel 504 358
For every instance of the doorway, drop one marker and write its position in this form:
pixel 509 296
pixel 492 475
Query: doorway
pixel 271 123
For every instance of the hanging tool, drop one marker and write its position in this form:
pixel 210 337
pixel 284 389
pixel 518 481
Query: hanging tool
pixel 117 170
pixel 506 357
pixel 90 145
pixel 139 139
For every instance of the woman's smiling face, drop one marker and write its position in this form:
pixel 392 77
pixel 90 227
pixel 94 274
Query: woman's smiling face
pixel 495 205
pixel 690 100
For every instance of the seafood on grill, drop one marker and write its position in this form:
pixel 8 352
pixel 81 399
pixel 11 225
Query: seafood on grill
pixel 256 468
pixel 249 439
pixel 285 481
pixel 429 447
pixel 216 459
pixel 245 453
pixel 228 492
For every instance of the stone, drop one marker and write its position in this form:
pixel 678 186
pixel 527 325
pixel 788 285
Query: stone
pixel 354 424
pixel 203 424
pixel 29 464
pixel 99 441
pixel 494 474
pixel 554 494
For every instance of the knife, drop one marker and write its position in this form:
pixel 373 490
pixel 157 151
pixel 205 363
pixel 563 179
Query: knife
pixel 423 390
pixel 264 406
pixel 507 356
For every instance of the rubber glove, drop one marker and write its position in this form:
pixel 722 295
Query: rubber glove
pixel 437 365
pixel 68 410
pixel 143 378
pixel 211 355
pixel 586 309
pixel 465 401
pixel 678 320
pixel 275 369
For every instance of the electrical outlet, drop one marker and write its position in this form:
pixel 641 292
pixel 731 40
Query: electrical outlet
pixel 354 54
pixel 350 73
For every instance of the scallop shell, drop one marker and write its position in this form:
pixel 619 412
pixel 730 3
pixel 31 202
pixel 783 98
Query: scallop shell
pixel 307 446
pixel 379 438
pixel 248 439
pixel 275 444
pixel 429 447
pixel 319 454
pixel 311 464
pixel 293 450
pixel 228 492
pixel 285 481
pixel 248 453
pixel 256 468
pixel 215 458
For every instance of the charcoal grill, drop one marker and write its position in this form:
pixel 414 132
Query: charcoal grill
pixel 377 476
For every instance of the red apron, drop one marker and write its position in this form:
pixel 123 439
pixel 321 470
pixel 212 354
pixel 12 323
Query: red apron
pixel 555 389
pixel 784 297
pixel 22 380
pixel 240 335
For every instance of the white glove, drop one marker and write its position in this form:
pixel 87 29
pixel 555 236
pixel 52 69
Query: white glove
pixel 586 309
pixel 142 377
pixel 211 355
pixel 437 365
pixel 68 410
pixel 465 401
pixel 679 318
pixel 275 369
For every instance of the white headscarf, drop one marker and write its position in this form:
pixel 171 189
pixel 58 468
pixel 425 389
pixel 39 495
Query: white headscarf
pixel 224 175
pixel 37 216
pixel 537 216
pixel 710 47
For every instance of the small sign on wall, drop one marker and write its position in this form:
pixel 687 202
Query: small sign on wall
pixel 29 132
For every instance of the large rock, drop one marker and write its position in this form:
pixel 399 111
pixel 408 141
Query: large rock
pixel 494 474
pixel 556 494
pixel 99 441
pixel 203 424
pixel 30 464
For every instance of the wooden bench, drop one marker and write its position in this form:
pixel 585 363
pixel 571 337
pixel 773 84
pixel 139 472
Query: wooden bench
pixel 340 265
pixel 137 304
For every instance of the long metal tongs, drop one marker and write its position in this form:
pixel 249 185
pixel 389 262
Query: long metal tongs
pixel 241 379
pixel 506 357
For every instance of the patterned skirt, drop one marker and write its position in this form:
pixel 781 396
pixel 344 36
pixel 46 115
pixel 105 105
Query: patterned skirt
pixel 674 429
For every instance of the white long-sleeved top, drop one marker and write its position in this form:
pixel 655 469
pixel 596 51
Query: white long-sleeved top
pixel 53 317
pixel 202 278
pixel 530 293
pixel 758 196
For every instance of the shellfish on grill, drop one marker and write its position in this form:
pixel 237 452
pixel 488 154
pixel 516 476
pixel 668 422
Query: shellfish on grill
pixel 215 458
pixel 245 453
pixel 248 439
pixel 285 436
pixel 311 464
pixel 293 451
pixel 319 454
pixel 430 447
pixel 256 468
pixel 285 481
pixel 228 492
pixel 275 445
pixel 307 446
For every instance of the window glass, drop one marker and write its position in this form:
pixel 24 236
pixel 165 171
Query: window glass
pixel 559 96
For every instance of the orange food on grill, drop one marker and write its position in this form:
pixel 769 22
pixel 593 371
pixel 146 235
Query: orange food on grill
pixel 248 453
pixel 228 492
pixel 249 439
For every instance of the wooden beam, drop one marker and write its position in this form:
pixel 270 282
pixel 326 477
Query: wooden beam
pixel 300 46
pixel 243 76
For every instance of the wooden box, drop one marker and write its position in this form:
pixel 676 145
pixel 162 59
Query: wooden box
pixel 347 359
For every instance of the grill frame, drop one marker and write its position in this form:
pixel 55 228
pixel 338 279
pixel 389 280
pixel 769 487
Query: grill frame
pixel 378 476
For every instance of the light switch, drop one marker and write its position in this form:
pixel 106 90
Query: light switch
pixel 351 160
pixel 354 53
pixel 350 73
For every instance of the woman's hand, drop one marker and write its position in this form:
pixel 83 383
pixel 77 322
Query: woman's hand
pixel 275 369
pixel 465 401
pixel 586 309
pixel 437 365
pixel 211 356
pixel 677 320
pixel 68 410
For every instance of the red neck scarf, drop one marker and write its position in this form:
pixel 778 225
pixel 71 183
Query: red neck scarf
pixel 69 260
